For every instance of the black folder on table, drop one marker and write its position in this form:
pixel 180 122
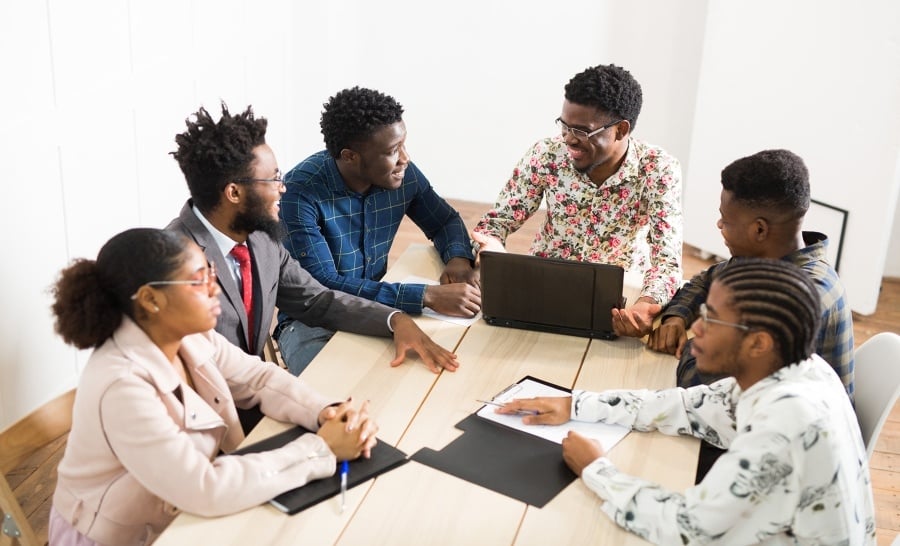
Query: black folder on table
pixel 511 462
pixel 549 294
pixel 384 457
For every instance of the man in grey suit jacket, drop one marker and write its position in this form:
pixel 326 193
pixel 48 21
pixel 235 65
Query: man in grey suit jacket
pixel 235 188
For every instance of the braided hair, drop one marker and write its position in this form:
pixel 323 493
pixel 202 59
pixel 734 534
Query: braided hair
pixel 608 88
pixel 213 154
pixel 353 115
pixel 90 296
pixel 778 297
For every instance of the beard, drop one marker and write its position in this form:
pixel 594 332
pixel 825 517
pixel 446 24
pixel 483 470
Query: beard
pixel 587 170
pixel 255 217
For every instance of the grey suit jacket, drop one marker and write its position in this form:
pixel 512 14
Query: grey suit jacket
pixel 278 280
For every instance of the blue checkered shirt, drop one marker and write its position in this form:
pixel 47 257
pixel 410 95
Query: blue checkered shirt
pixel 342 238
pixel 835 339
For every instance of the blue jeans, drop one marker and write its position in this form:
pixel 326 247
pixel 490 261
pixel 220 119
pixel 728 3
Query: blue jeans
pixel 299 344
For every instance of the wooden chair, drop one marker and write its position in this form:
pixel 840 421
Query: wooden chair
pixel 271 352
pixel 30 450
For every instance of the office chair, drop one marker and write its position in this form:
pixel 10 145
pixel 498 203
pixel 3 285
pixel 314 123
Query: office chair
pixel 877 384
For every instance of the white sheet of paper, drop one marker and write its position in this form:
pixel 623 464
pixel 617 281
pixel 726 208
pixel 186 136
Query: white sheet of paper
pixel 412 279
pixel 608 435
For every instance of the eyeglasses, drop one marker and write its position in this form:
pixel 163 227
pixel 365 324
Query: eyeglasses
pixel 278 179
pixel 580 133
pixel 209 277
pixel 704 316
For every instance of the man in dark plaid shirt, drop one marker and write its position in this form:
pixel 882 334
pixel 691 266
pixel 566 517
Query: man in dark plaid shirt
pixel 764 199
pixel 343 206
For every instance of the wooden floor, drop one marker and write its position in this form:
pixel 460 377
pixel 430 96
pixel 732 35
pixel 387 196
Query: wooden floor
pixel 35 480
pixel 885 463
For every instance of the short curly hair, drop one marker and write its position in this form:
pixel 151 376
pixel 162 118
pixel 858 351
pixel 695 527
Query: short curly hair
pixel 608 88
pixel 353 115
pixel 212 154
pixel 770 180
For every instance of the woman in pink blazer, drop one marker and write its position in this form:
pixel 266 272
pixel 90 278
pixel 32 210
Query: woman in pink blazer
pixel 156 401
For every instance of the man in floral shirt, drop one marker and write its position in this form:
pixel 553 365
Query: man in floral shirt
pixel 610 198
pixel 795 469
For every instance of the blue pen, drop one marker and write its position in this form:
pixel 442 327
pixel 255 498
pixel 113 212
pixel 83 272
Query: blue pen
pixel 345 469
pixel 518 412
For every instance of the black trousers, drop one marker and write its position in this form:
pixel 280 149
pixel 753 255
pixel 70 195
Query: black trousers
pixel 249 418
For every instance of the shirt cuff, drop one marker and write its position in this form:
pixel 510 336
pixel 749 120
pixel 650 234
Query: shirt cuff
pixel 588 407
pixel 459 250
pixel 599 476
pixel 411 298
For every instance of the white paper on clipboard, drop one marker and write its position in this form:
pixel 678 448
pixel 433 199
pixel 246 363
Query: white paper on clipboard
pixel 608 435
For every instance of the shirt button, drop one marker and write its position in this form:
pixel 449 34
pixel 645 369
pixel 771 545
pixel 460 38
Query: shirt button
pixel 193 416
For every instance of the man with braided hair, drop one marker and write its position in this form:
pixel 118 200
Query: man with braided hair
pixel 343 206
pixel 795 469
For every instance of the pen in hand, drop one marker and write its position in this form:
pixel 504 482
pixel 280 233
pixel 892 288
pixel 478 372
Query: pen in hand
pixel 345 469
pixel 500 405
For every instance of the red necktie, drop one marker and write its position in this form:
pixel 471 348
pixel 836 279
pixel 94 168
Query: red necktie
pixel 242 254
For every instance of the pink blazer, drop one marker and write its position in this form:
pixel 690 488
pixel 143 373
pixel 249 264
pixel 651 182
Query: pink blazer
pixel 144 446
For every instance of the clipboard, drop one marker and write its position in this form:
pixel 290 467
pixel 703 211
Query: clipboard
pixel 385 457
pixel 607 434
pixel 509 461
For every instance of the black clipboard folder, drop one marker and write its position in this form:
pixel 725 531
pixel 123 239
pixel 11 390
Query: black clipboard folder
pixel 511 462
pixel 384 457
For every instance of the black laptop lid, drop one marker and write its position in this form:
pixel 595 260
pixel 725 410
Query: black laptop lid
pixel 561 296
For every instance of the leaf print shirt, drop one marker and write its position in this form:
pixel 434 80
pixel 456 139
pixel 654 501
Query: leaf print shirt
pixel 795 471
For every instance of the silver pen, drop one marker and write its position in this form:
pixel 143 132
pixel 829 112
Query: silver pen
pixel 500 405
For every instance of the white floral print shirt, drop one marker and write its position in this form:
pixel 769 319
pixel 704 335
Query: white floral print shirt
pixel 795 471
pixel 633 219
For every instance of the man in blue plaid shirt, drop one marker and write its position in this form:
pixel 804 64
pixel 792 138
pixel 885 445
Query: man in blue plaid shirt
pixel 342 209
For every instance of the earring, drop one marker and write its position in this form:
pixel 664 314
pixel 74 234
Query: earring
pixel 155 309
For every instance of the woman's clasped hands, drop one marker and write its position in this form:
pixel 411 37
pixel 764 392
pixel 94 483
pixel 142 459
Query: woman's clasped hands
pixel 349 432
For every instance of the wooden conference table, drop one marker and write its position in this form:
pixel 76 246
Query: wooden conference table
pixel 415 408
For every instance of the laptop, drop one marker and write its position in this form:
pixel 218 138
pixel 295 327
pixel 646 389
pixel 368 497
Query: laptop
pixel 549 294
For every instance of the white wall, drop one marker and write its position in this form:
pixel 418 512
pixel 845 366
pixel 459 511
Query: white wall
pixel 823 80
pixel 96 90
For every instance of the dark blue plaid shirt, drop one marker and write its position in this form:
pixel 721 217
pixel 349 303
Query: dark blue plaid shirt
pixel 343 238
pixel 835 340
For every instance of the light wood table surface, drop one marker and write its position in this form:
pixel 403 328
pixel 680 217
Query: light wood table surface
pixel 415 408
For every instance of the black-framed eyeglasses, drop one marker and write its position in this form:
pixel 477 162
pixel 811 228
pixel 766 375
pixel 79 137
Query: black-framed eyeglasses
pixel 209 277
pixel 704 316
pixel 581 134
pixel 277 179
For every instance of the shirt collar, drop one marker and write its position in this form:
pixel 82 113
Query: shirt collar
pixel 224 242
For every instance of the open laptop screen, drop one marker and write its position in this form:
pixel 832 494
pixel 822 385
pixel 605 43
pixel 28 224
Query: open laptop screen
pixel 561 296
